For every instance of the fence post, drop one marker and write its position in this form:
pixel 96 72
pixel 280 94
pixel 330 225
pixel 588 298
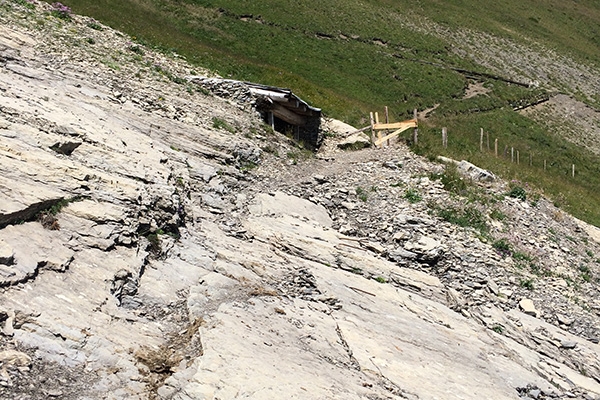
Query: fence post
pixel 512 154
pixel 496 147
pixel 517 157
pixel 445 137
pixel 488 140
pixel 481 140
pixel 416 131
pixel 387 121
pixel 372 129
pixel 573 170
pixel 378 130
pixel 544 165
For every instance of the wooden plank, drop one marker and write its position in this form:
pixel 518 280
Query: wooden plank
pixel 288 116
pixel 372 126
pixel 412 123
pixel 391 135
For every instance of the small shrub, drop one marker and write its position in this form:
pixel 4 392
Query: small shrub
pixel 26 3
pixel 465 217
pixel 586 272
pixel 95 25
pixel 61 11
pixel 502 245
pixel 412 195
pixel 498 329
pixel 247 166
pixel 517 192
pixel 381 279
pixel 90 40
pixel 362 194
pixel 518 256
pixel 527 284
pixel 136 49
pixel 452 180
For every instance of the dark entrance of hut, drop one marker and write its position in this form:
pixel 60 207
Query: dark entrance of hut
pixel 286 113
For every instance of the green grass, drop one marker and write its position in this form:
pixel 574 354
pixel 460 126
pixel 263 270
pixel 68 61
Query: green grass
pixel 577 195
pixel 362 194
pixel 350 58
pixel 413 195
pixel 466 217
pixel 221 124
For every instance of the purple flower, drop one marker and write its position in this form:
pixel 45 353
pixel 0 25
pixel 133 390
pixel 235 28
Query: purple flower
pixel 59 10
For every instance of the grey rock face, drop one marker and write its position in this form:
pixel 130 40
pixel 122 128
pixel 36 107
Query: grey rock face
pixel 144 254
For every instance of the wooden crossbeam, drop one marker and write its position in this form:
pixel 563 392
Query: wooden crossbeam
pixel 406 125
pixel 411 123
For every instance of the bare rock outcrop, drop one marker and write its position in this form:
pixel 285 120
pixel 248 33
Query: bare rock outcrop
pixel 146 254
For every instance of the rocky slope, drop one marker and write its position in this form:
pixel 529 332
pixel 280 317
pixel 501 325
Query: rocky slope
pixel 157 242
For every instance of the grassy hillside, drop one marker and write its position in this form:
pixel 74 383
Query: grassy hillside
pixel 351 57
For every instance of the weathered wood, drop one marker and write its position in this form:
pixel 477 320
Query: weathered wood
pixel 481 140
pixel 286 115
pixel 445 137
pixel 416 130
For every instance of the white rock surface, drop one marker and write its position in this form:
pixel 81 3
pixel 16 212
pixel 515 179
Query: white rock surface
pixel 174 271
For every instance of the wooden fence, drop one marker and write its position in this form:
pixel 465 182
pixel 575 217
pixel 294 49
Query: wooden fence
pixel 398 127
pixel 515 155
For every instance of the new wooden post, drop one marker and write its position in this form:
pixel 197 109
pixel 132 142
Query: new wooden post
pixel 372 129
pixel 416 131
pixel 573 170
pixel 496 147
pixel 512 154
pixel 387 121
pixel 377 122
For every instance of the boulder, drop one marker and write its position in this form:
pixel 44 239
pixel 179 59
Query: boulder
pixel 357 141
